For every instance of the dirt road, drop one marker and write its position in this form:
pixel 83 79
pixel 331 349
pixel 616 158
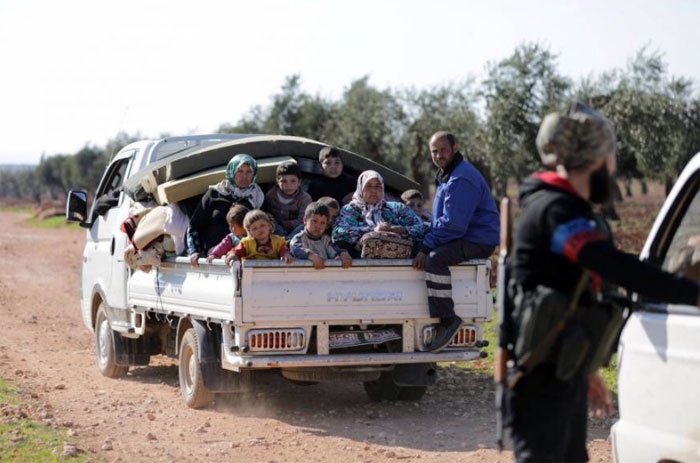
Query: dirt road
pixel 48 352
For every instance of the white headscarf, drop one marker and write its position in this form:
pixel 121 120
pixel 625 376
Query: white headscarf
pixel 371 212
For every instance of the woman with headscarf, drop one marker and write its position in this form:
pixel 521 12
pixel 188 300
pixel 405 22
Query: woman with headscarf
pixel 368 211
pixel 208 224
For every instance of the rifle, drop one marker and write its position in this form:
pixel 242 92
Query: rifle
pixel 502 355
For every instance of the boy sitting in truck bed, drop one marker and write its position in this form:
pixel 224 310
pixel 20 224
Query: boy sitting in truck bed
pixel 313 242
pixel 286 201
pixel 260 243
pixel 234 217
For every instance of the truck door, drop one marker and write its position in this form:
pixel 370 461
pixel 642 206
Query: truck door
pixel 104 251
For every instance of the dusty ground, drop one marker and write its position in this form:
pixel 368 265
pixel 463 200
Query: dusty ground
pixel 46 350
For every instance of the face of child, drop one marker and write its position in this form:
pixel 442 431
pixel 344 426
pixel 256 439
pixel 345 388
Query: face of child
pixel 243 176
pixel 316 224
pixel 237 229
pixel 332 215
pixel 332 167
pixel 260 230
pixel 416 205
pixel 289 184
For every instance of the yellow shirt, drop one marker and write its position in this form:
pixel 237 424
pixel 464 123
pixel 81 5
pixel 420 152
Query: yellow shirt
pixel 248 248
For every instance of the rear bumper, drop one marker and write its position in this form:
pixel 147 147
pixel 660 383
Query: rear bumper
pixel 235 362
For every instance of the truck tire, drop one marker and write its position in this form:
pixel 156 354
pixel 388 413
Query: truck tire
pixel 192 387
pixel 104 346
pixel 385 389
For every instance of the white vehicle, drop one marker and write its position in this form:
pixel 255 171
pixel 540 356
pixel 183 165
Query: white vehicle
pixel 659 349
pixel 368 323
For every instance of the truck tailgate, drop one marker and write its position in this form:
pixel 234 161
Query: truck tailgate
pixel 370 290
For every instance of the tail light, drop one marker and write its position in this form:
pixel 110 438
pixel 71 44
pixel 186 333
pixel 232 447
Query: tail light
pixel 466 336
pixel 276 340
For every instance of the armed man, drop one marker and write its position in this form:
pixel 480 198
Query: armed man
pixel 559 324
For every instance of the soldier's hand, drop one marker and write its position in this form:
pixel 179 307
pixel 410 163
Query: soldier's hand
pixel 599 403
pixel 193 259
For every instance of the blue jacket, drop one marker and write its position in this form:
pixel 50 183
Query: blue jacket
pixel 463 208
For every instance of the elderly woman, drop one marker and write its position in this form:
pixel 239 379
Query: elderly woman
pixel 368 211
pixel 208 224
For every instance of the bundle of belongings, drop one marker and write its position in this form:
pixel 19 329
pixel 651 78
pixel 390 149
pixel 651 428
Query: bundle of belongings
pixel 385 245
pixel 153 233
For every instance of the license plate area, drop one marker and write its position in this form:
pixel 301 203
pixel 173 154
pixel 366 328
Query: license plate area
pixel 350 338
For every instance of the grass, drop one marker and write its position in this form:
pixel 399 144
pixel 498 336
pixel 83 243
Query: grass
pixel 23 438
pixel 25 209
pixel 56 221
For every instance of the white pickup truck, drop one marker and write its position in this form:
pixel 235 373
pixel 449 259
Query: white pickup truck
pixel 659 349
pixel 368 323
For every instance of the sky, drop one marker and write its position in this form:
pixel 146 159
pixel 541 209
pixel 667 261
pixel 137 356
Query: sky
pixel 78 72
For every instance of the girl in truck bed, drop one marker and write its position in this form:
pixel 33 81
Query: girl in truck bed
pixel 260 243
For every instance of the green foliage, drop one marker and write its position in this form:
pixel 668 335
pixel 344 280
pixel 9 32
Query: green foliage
pixel 368 121
pixel 57 221
pixel 519 91
pixel 450 107
pixel 23 439
pixel 655 117
pixel 18 184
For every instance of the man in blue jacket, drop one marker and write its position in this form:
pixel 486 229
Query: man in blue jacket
pixel 464 226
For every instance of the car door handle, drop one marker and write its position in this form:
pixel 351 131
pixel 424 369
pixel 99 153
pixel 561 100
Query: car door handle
pixel 112 246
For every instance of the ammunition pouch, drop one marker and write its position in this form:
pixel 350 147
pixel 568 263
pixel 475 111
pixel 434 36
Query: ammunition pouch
pixel 536 313
pixel 587 338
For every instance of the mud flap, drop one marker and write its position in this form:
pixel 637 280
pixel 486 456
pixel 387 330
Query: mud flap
pixel 214 377
pixel 417 374
pixel 130 352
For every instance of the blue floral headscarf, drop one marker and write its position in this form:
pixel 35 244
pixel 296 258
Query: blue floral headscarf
pixel 236 162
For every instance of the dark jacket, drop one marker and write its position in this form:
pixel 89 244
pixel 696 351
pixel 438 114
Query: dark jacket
pixel 558 235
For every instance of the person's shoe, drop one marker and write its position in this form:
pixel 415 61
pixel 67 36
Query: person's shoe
pixel 444 334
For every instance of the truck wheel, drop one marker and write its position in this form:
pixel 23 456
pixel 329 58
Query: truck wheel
pixel 104 347
pixel 386 389
pixel 192 387
pixel 412 393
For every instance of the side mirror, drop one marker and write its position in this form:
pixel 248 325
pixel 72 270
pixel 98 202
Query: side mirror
pixel 76 207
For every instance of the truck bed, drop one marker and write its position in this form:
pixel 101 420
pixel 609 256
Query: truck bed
pixel 267 291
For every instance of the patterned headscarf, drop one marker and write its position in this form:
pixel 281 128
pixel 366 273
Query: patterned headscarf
pixel 371 212
pixel 236 162
pixel 575 138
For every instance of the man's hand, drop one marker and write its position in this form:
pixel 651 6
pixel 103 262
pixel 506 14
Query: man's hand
pixel 317 261
pixel 598 397
pixel 193 259
pixel 345 259
pixel 419 261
